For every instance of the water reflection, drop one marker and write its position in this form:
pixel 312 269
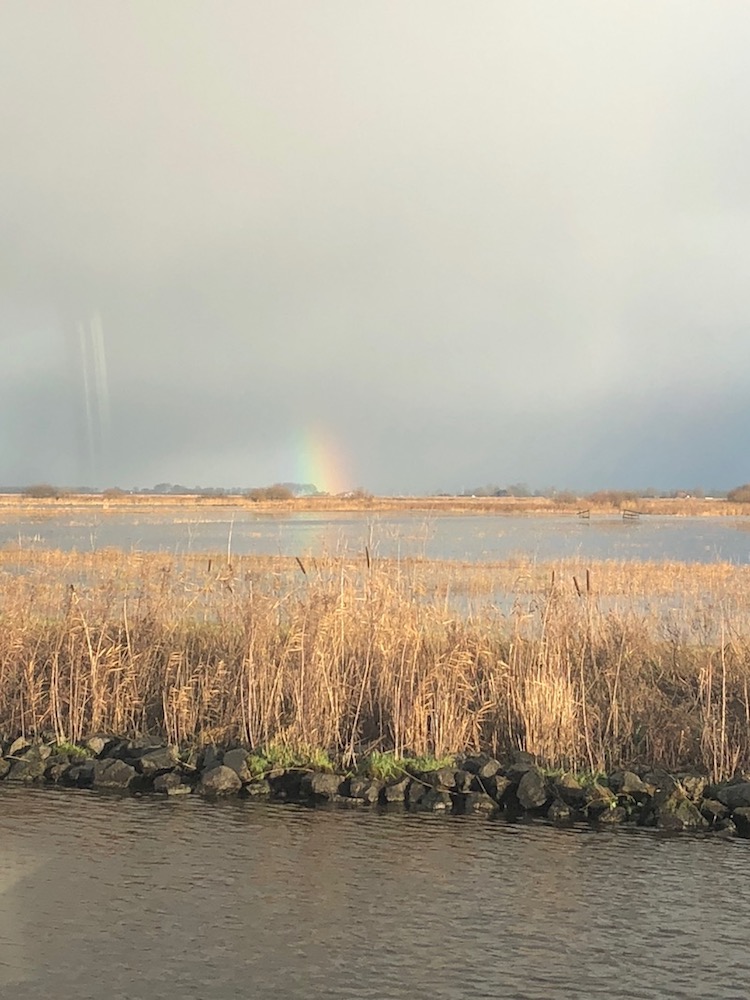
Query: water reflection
pixel 126 898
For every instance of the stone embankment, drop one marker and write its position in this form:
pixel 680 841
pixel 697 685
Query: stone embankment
pixel 478 785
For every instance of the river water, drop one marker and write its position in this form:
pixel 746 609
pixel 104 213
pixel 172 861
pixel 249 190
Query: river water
pixel 473 537
pixel 115 898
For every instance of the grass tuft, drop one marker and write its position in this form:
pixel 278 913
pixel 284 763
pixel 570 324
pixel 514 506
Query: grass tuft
pixel 278 756
pixel 72 750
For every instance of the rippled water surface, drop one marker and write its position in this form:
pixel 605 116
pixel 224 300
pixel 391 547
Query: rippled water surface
pixel 474 537
pixel 137 898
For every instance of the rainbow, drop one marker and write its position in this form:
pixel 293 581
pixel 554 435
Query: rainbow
pixel 319 461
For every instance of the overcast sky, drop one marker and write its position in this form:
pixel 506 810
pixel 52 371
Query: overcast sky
pixel 402 245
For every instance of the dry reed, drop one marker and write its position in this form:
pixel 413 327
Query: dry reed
pixel 651 665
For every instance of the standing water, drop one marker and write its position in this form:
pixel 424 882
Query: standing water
pixel 473 537
pixel 126 898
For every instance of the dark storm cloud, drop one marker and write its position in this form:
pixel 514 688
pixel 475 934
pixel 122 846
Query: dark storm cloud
pixel 468 244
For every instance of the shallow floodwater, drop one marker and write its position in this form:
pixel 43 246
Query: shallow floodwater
pixel 472 537
pixel 128 898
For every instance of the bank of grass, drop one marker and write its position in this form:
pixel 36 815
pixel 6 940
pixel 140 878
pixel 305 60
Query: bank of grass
pixel 607 503
pixel 341 660
pixel 284 756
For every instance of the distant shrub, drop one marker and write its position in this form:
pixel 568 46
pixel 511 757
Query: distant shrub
pixel 740 494
pixel 566 497
pixel 613 498
pixel 275 492
pixel 42 491
pixel 518 490
pixel 359 493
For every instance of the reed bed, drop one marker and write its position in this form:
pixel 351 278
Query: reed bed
pixel 589 667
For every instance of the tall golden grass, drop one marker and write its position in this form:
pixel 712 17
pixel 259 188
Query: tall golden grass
pixel 632 662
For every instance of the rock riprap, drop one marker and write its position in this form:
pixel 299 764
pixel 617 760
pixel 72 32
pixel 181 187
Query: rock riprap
pixel 477 785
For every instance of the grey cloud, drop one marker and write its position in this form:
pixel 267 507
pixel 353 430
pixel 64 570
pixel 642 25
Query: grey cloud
pixel 472 244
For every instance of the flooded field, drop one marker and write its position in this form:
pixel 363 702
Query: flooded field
pixel 475 537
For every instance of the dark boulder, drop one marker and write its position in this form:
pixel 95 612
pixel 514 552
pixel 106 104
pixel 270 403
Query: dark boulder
pixel 56 768
pixel 30 764
pixel 116 750
pixel 670 809
pixel 26 770
pixel 444 779
pixel 489 768
pixel 171 783
pixel 347 802
pixel 424 798
pixel 560 812
pixel 18 746
pixel 237 760
pixel 659 781
pixel 191 757
pixel 520 762
pixel 112 773
pixel 480 803
pixel 713 811
pixel 532 790
pixel 99 745
pixel 725 828
pixel 132 751
pixel 365 789
pixel 79 775
pixel 209 758
pixel 321 786
pixel 219 780
pixel 415 792
pixel 734 796
pixel 257 789
pixel 141 744
pixel 599 799
pixel 4 767
pixel 434 800
pixel 157 761
pixel 285 784
pixel 741 820
pixel 694 786
pixel 628 783
pixel 501 787
pixel 611 817
pixel 396 791
pixel 568 789
pixel 515 772
pixel 482 765
pixel 712 789
pixel 463 780
pixel 497 787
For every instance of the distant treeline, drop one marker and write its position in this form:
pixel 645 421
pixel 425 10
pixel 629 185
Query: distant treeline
pixel 605 497
pixel 289 491
pixel 277 491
